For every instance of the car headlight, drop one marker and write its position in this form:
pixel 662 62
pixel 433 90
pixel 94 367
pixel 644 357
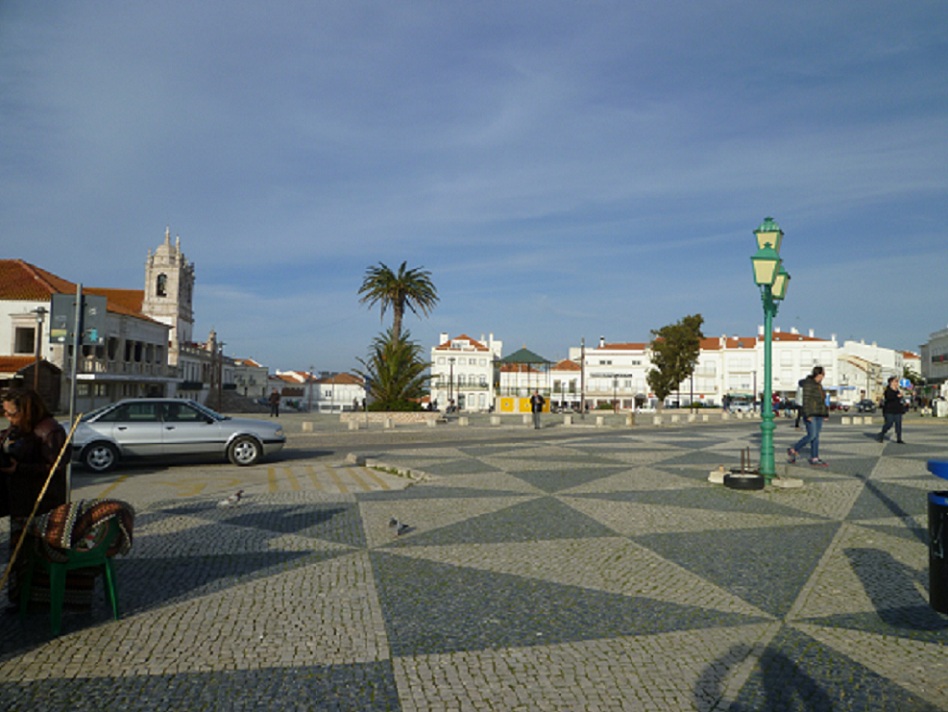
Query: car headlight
pixel 279 433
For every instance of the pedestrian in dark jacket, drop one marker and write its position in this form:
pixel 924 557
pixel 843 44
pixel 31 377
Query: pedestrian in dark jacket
pixel 814 411
pixel 892 409
pixel 536 406
pixel 28 450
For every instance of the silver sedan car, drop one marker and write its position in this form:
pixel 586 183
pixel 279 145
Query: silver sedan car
pixel 167 427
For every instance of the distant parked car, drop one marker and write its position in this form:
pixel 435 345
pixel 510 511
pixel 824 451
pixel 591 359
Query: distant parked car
pixel 865 406
pixel 740 406
pixel 166 427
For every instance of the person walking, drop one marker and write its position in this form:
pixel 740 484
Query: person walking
pixel 892 409
pixel 799 403
pixel 536 406
pixel 814 411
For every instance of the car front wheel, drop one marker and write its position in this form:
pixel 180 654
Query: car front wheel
pixel 244 451
pixel 100 457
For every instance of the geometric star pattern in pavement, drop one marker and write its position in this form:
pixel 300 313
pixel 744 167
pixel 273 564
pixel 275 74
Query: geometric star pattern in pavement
pixel 569 569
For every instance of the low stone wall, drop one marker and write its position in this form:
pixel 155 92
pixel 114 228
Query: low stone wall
pixel 396 418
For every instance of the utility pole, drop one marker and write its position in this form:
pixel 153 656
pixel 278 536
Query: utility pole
pixel 582 378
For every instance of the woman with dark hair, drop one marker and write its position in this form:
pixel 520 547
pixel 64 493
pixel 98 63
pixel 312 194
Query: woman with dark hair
pixel 892 408
pixel 814 411
pixel 28 450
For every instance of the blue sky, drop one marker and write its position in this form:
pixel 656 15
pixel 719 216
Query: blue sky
pixel 564 170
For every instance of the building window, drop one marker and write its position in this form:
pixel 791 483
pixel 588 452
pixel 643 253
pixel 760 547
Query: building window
pixel 24 340
pixel 161 285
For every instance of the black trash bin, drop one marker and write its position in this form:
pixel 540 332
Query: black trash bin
pixel 938 541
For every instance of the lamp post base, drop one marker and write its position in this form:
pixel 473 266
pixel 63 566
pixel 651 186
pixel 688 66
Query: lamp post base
pixel 744 481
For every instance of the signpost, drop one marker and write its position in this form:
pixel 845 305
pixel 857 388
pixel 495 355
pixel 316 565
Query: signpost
pixel 77 320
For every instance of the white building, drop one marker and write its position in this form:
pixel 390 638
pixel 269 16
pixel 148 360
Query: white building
pixel 251 379
pixel 616 373
pixel 338 392
pixel 144 347
pixel 934 358
pixel 613 374
pixel 566 383
pixel 865 368
pixel 463 371
pixel 129 358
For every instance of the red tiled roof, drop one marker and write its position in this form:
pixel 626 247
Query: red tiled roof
pixel 22 281
pixel 13 364
pixel 248 362
pixel 477 345
pixel 121 301
pixel 624 347
pixel 713 343
pixel 518 368
pixel 567 365
pixel 342 379
pixel 790 336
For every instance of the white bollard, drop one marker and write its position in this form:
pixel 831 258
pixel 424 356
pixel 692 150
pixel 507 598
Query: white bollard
pixel 307 426
pixel 495 420
pixel 353 425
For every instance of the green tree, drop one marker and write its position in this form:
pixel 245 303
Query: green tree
pixel 407 288
pixel 674 351
pixel 913 376
pixel 395 373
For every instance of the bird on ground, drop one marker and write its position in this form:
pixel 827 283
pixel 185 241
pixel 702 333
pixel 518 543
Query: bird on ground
pixel 232 500
pixel 398 528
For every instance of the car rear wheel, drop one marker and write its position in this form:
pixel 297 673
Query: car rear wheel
pixel 244 451
pixel 100 457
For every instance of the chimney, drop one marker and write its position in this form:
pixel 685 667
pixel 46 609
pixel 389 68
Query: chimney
pixel 811 334
pixel 602 342
pixel 443 338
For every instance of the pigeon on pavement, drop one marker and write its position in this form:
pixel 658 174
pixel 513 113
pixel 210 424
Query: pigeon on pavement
pixel 398 527
pixel 232 500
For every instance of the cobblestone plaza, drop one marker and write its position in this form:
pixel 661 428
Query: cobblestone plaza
pixel 570 568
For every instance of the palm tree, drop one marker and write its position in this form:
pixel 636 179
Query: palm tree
pixel 411 288
pixel 395 374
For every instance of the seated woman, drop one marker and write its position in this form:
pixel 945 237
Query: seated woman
pixel 29 448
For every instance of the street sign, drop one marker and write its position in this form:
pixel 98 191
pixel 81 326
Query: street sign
pixel 62 323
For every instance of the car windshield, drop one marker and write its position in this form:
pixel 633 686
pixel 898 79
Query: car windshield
pixel 208 412
pixel 94 413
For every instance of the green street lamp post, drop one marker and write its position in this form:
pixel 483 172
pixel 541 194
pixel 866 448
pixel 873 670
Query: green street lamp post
pixel 772 280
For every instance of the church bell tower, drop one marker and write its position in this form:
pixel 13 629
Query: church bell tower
pixel 169 288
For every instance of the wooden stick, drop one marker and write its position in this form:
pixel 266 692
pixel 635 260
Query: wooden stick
pixel 49 478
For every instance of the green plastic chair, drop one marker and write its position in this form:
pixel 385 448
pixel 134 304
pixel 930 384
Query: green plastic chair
pixel 93 557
